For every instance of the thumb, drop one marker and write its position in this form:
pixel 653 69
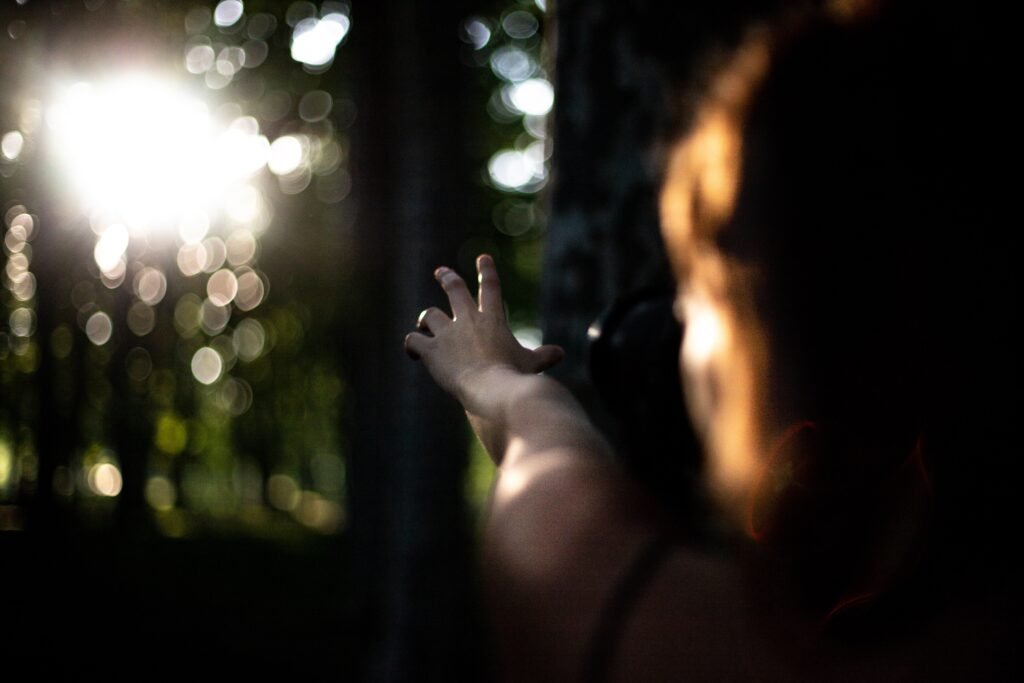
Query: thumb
pixel 547 356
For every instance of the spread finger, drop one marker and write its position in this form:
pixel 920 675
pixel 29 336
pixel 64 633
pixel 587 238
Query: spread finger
pixel 458 294
pixel 490 285
pixel 416 345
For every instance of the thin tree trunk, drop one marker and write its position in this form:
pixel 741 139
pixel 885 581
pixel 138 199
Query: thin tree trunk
pixel 409 576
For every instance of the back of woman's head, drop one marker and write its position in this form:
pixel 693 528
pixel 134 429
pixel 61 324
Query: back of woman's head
pixel 839 191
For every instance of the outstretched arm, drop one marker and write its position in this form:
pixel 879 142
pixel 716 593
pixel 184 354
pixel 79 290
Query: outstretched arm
pixel 563 524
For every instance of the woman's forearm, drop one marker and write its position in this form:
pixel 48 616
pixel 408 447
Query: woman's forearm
pixel 517 415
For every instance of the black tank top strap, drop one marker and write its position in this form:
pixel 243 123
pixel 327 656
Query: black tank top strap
pixel 623 597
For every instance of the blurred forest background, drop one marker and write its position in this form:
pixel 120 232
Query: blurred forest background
pixel 219 221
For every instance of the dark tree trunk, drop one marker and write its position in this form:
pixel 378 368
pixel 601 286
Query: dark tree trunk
pixel 48 425
pixel 130 428
pixel 603 239
pixel 409 577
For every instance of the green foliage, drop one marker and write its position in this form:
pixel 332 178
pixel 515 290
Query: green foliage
pixel 511 219
pixel 215 408
pixel 126 350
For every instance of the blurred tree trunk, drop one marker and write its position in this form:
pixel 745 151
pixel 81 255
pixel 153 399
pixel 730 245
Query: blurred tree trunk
pixel 602 239
pixel 49 424
pixel 129 422
pixel 409 575
pixel 58 385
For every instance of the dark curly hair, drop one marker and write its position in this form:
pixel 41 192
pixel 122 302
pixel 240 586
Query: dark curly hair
pixel 838 199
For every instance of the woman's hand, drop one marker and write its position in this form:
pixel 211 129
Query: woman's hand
pixel 467 353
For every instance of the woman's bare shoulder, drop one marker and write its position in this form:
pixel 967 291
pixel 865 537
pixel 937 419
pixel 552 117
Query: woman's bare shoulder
pixel 585 575
pixel 692 621
pixel 586 579
pixel 560 530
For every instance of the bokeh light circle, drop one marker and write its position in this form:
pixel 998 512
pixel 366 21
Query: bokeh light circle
pixel 110 247
pixel 315 105
pixel 207 365
pixel 241 246
pixel 533 96
pixel 227 13
pixel 22 322
pixel 99 328
pixel 520 24
pixel 11 145
pixel 251 290
pixel 105 479
pixel 222 287
pixel 216 252
pixel 249 339
pixel 314 41
pixel 214 318
pixel 138 364
pixel 286 153
pixel 150 285
pixel 191 259
pixel 141 319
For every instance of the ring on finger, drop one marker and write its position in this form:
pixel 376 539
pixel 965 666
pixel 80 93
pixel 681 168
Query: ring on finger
pixel 430 321
pixel 421 320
